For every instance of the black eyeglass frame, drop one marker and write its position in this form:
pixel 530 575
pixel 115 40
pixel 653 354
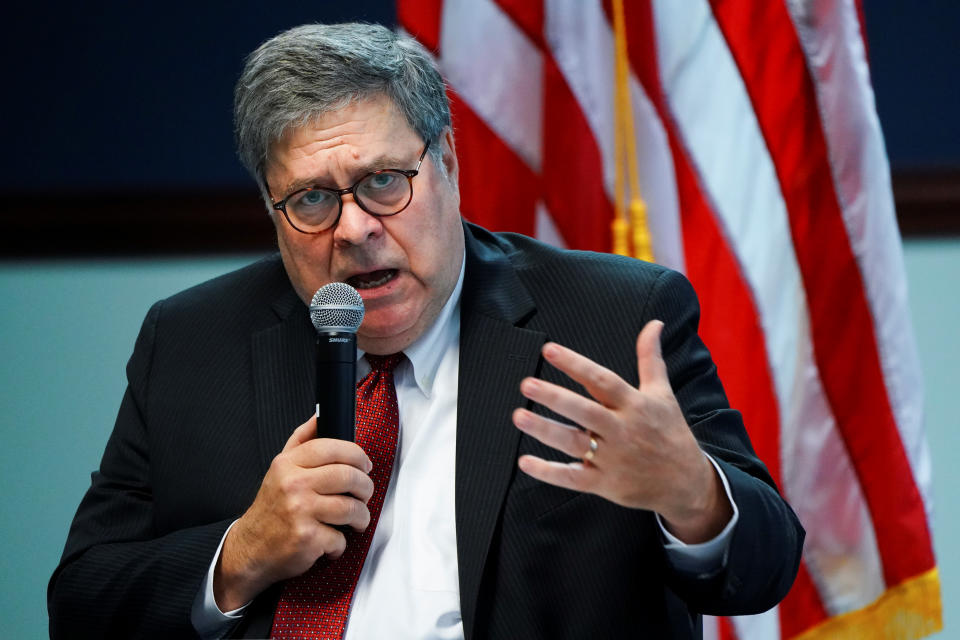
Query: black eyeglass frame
pixel 409 174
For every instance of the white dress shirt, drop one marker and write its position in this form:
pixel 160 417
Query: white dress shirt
pixel 409 586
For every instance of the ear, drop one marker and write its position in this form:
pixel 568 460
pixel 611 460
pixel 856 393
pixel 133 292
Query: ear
pixel 450 162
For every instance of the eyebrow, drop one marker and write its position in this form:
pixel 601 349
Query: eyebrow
pixel 377 164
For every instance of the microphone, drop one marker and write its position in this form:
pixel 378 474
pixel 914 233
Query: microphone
pixel 336 312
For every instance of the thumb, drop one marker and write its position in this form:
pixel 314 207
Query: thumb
pixel 303 433
pixel 650 365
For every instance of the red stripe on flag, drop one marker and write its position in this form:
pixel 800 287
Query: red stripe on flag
pixel 572 170
pixel 730 323
pixel 802 609
pixel 572 184
pixel 497 189
pixel 421 19
pixel 528 16
pixel 725 630
pixel 774 71
pixel 730 319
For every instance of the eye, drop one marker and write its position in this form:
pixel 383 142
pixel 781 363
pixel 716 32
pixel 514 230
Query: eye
pixel 380 181
pixel 313 206
pixel 313 198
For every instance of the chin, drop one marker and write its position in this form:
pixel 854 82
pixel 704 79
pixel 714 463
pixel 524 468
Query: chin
pixel 386 332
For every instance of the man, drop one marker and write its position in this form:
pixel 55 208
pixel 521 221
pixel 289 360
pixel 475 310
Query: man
pixel 566 464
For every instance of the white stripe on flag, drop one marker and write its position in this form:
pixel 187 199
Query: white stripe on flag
pixel 833 45
pixel 508 93
pixel 581 41
pixel 841 549
pixel 546 229
pixel 760 626
pixel 710 629
pixel 695 62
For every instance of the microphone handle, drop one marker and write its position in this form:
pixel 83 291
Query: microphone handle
pixel 336 384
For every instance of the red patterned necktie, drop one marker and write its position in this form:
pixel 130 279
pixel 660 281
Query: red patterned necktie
pixel 317 603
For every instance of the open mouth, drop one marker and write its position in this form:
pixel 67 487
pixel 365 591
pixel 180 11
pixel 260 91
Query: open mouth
pixel 372 279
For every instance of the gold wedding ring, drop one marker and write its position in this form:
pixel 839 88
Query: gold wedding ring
pixel 592 451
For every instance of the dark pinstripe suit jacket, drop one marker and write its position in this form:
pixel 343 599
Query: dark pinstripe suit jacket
pixel 223 372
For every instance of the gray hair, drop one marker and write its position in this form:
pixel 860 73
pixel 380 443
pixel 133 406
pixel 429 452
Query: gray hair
pixel 315 69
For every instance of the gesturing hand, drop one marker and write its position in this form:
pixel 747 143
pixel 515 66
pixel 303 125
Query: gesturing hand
pixel 636 447
pixel 312 484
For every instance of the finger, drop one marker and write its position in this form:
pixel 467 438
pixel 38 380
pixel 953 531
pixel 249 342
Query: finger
pixel 574 476
pixel 342 510
pixel 334 479
pixel 650 365
pixel 321 451
pixel 581 410
pixel 570 440
pixel 332 542
pixel 607 387
pixel 306 431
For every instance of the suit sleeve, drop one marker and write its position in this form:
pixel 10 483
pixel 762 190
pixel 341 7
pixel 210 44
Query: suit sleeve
pixel 119 576
pixel 764 552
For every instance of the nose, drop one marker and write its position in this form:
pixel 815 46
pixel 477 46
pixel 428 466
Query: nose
pixel 355 226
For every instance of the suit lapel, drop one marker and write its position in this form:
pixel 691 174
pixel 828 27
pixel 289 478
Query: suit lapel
pixel 496 353
pixel 284 375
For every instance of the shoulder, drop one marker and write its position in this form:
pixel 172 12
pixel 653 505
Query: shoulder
pixel 263 279
pixel 604 280
pixel 235 295
pixel 182 332
pixel 227 306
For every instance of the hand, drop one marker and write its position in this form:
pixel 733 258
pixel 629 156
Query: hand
pixel 646 456
pixel 312 484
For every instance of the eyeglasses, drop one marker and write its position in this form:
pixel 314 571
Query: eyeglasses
pixel 385 192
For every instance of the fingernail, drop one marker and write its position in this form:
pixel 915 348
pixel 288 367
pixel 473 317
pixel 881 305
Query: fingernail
pixel 529 385
pixel 520 418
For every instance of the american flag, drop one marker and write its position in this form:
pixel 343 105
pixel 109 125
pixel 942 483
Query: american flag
pixel 760 161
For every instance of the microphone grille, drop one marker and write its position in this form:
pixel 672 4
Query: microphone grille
pixel 336 307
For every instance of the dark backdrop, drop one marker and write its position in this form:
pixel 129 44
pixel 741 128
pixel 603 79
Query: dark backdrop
pixel 117 116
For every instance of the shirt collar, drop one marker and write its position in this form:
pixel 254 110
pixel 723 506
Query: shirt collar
pixel 427 351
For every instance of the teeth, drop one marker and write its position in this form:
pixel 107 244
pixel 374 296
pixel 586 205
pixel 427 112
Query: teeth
pixel 362 283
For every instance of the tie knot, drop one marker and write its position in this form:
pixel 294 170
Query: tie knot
pixel 382 364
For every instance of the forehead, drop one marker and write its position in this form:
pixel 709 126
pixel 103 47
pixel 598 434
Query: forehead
pixel 363 132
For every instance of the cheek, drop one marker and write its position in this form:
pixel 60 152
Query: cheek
pixel 438 239
pixel 305 263
pixel 429 256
